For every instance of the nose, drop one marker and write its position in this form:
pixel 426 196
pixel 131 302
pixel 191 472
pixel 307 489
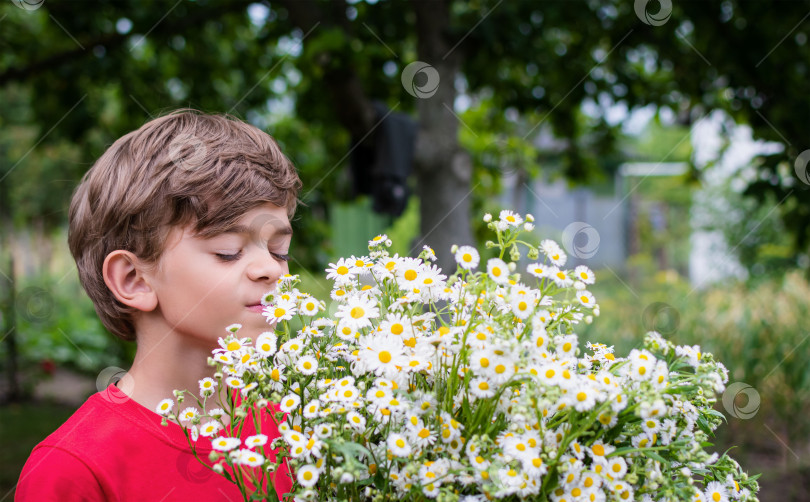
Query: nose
pixel 264 267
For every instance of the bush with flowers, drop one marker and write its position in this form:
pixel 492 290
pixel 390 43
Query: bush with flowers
pixel 471 387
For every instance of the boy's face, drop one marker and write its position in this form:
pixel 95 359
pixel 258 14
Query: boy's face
pixel 204 285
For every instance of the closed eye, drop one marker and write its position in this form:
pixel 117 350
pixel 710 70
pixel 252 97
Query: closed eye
pixel 281 257
pixel 228 257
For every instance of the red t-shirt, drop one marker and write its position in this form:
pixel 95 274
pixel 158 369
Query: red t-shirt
pixel 113 448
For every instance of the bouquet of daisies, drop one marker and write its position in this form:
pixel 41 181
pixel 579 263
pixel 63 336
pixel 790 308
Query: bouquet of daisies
pixel 415 385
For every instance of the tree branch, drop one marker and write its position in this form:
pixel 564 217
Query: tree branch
pixel 354 109
pixel 112 40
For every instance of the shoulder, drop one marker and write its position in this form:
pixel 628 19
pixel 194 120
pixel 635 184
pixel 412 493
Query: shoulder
pixel 52 473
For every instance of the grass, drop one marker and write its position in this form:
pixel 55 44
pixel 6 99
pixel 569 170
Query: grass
pixel 23 426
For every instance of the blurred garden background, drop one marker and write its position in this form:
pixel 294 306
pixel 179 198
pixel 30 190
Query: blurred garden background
pixel 664 143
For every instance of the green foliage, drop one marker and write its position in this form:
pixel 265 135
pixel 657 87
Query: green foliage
pixel 25 425
pixel 56 322
pixel 758 331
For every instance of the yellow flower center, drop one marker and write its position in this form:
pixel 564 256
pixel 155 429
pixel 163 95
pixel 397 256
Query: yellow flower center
pixel 385 357
pixel 410 275
pixel 342 270
pixel 357 312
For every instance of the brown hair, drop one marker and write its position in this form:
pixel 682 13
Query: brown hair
pixel 183 168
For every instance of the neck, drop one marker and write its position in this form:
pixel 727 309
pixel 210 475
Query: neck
pixel 164 365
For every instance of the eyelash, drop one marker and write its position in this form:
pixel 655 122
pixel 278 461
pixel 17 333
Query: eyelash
pixel 234 257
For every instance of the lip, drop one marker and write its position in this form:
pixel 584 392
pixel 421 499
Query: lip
pixel 256 308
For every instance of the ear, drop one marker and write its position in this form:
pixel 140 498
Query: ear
pixel 125 276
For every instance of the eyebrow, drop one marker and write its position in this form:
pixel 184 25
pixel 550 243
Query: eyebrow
pixel 244 229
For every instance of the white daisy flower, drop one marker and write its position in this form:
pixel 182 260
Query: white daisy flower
pixel 256 440
pixel 616 467
pixel 289 402
pixel 308 306
pixel 538 270
pixel 553 251
pixel 307 475
pixel 249 458
pixel 522 306
pixel 409 273
pixel 164 407
pixel 559 277
pixel 232 344
pixel 583 398
pixel 422 436
pixel 225 443
pixel 497 270
pixel 381 354
pixel 312 408
pixel 584 274
pixel 356 421
pixel 511 218
pixel 379 239
pixel 357 312
pixel 307 365
pixel 234 382
pixel 189 414
pixel 467 257
pixel 399 445
pixel 341 272
pixel 586 298
pixel 361 265
pixel 207 386
pixel 266 344
pixel 210 428
pixel 283 310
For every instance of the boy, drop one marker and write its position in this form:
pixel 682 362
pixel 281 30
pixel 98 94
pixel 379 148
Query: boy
pixel 177 231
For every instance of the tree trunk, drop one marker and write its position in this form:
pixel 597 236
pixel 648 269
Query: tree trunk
pixel 443 170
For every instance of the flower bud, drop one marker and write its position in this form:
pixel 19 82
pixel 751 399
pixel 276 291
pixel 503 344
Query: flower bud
pixel 487 217
pixel 454 248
